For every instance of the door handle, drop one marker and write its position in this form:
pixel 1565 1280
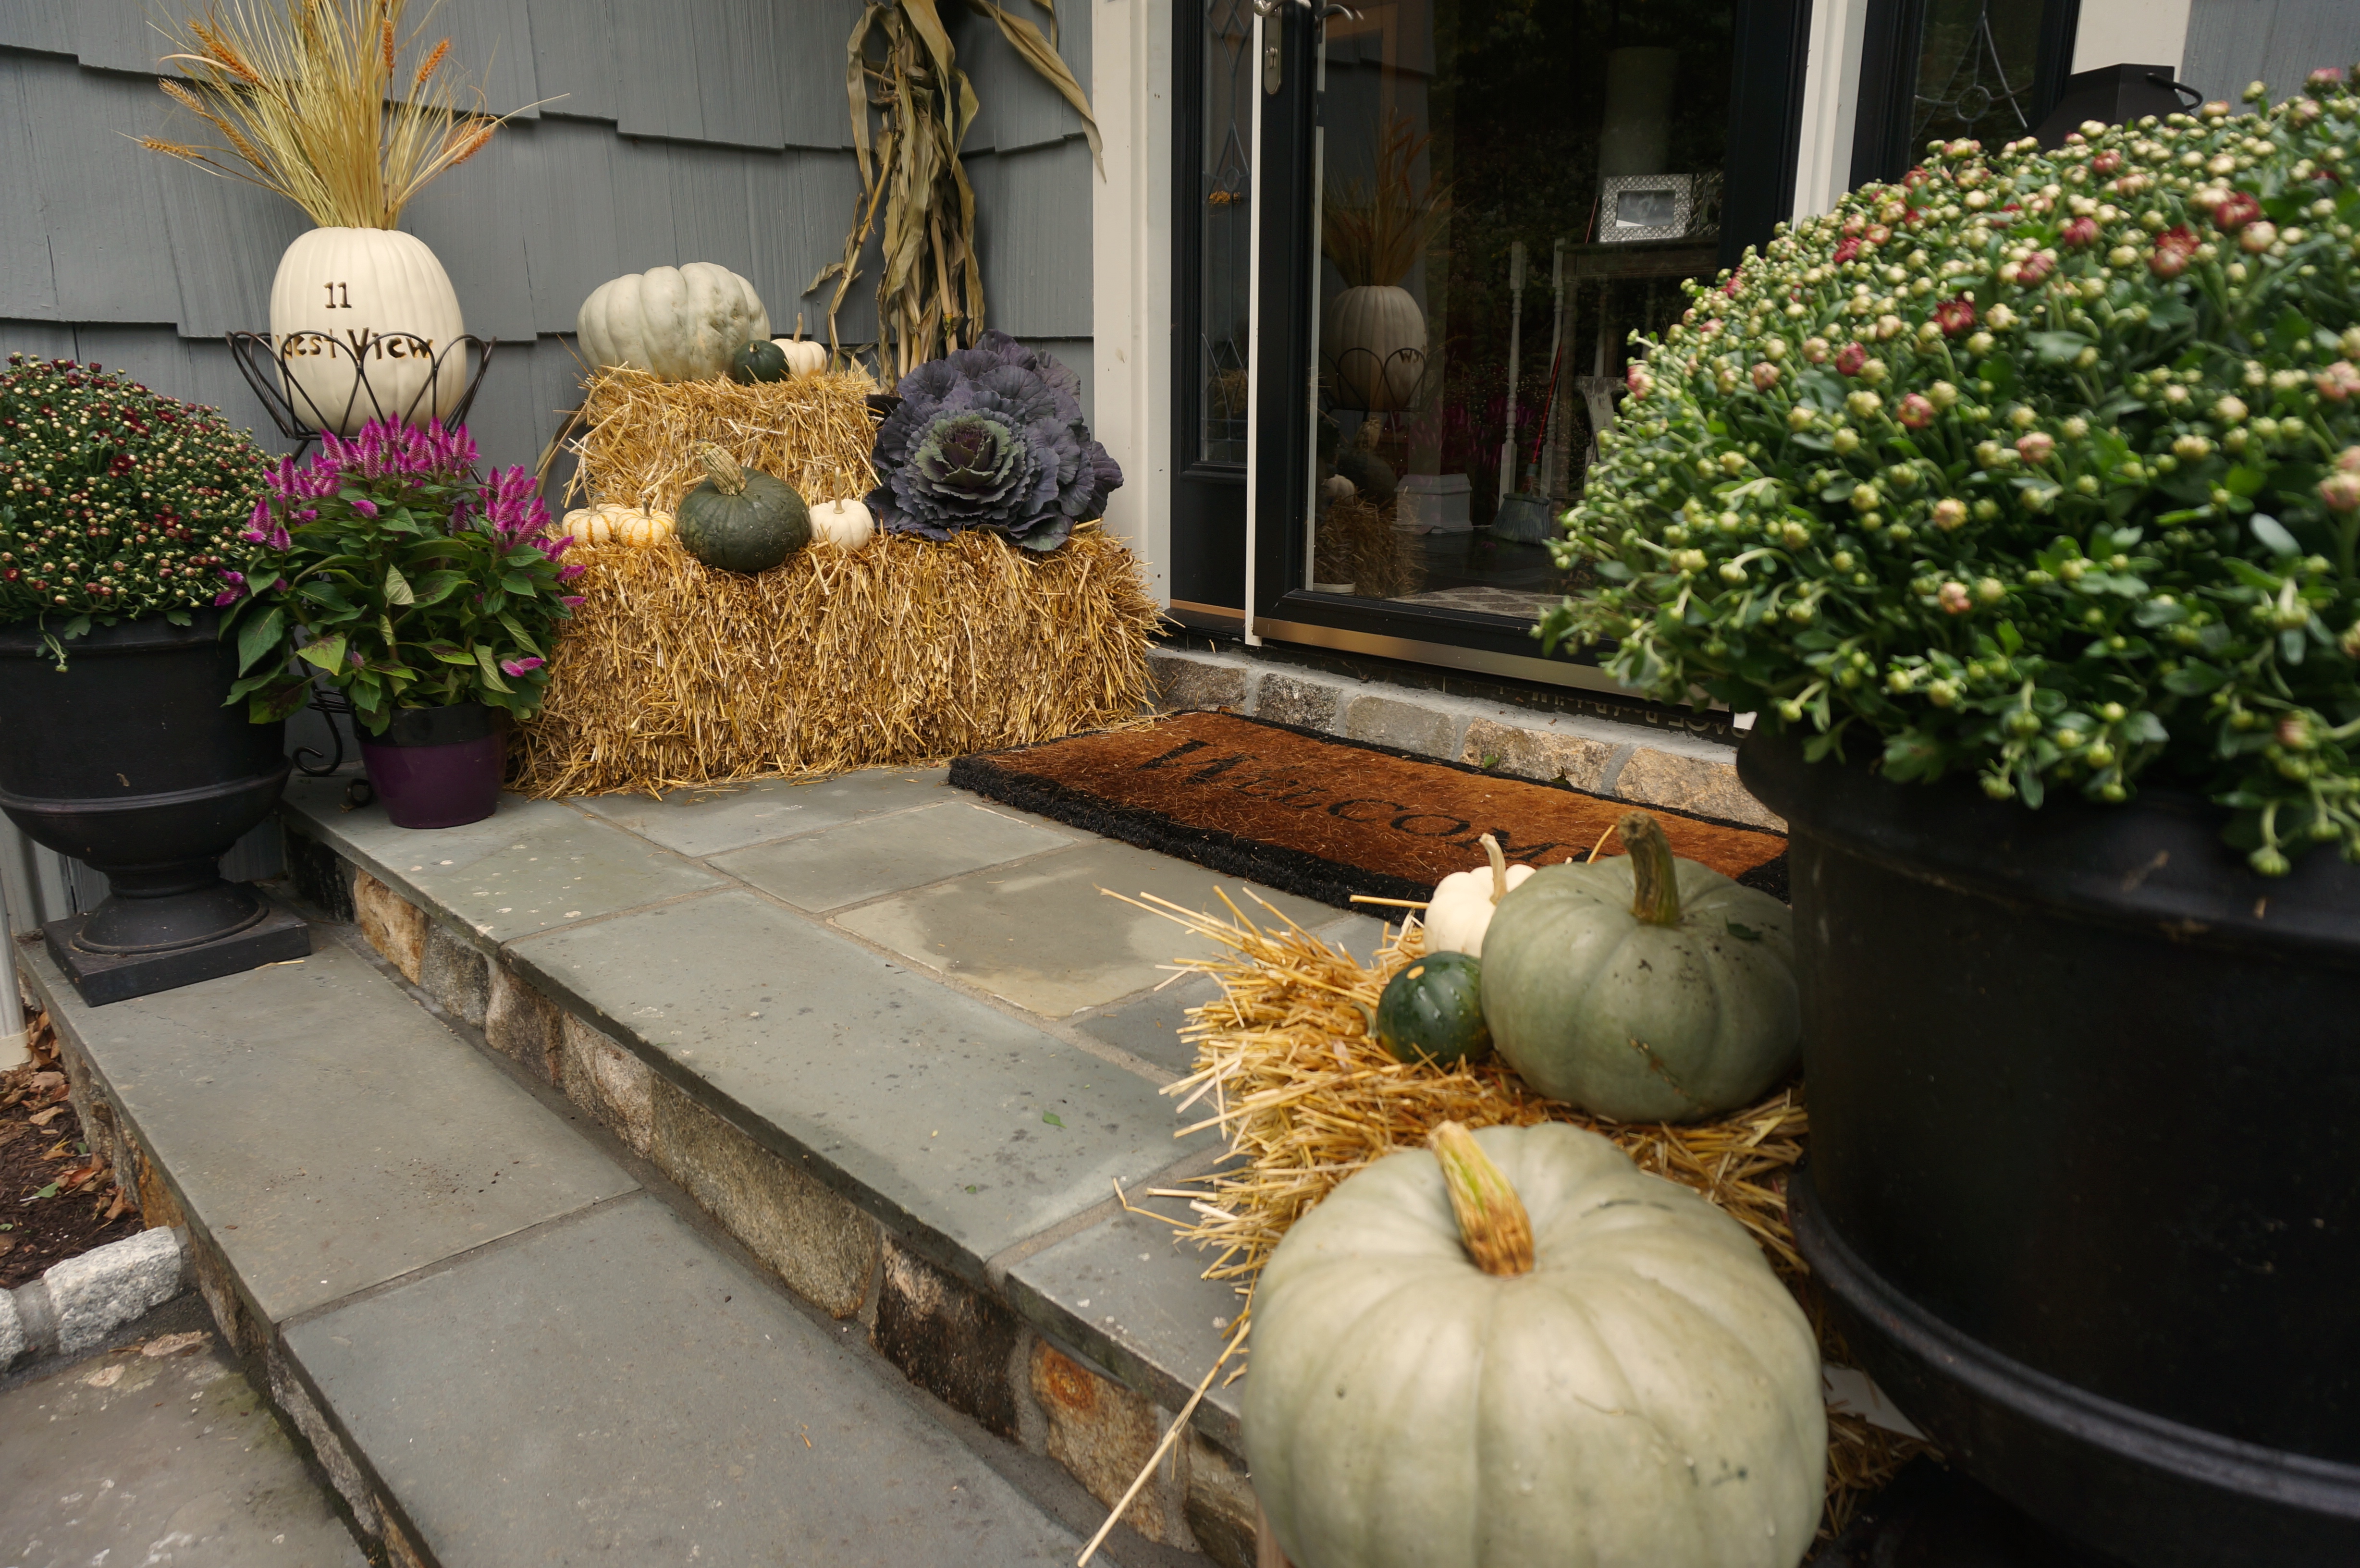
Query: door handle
pixel 1273 57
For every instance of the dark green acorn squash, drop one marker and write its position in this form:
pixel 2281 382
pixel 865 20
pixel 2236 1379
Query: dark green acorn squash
pixel 738 518
pixel 1433 1011
pixel 761 360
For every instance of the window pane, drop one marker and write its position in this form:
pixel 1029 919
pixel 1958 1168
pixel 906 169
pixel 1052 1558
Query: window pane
pixel 1976 62
pixel 1508 190
pixel 1229 103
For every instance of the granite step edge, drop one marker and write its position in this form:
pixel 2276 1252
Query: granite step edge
pixel 1028 1363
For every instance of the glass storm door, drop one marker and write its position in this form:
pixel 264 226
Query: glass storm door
pixel 1462 211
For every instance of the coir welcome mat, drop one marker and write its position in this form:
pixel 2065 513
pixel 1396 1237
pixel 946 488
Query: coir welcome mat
pixel 1327 818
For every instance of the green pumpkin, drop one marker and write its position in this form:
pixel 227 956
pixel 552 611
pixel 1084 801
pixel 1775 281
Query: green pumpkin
pixel 761 360
pixel 1433 1011
pixel 1643 987
pixel 740 519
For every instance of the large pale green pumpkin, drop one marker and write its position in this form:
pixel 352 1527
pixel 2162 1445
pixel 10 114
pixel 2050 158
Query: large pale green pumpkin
pixel 1643 987
pixel 681 323
pixel 1626 1386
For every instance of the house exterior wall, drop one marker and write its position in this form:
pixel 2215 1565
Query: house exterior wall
pixel 672 131
pixel 2279 42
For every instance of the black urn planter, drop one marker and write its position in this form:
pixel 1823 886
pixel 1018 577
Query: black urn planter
pixel 128 760
pixel 2084 1180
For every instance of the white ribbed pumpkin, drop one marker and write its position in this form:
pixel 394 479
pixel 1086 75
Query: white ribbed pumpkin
pixel 1461 911
pixel 1373 341
pixel 804 357
pixel 352 287
pixel 681 323
pixel 847 525
pixel 1630 1385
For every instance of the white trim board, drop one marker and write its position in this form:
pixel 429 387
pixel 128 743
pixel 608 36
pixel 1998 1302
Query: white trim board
pixel 1131 267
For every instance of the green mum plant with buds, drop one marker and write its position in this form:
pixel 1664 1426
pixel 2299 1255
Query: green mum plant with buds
pixel 2044 466
pixel 116 503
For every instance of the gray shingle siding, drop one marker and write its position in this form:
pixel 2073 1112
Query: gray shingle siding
pixel 675 130
pixel 2234 42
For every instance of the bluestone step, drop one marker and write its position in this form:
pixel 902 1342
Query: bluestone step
pixel 611 1387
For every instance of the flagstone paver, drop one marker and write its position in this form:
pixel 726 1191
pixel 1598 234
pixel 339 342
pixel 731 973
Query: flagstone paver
pixel 911 1096
pixel 860 860
pixel 720 817
pixel 1043 936
pixel 330 1135
pixel 169 1459
pixel 531 865
pixel 1131 1294
pixel 623 1391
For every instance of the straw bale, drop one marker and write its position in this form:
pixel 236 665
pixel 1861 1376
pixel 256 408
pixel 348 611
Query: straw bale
pixel 1288 1069
pixel 675 674
pixel 638 435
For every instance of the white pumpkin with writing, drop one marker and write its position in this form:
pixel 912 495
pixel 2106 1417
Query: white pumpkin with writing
pixel 375 301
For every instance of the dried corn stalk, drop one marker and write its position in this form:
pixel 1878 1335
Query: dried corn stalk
pixel 900 66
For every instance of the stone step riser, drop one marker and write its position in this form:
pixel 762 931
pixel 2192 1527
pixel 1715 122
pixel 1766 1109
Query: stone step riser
pixel 1647 765
pixel 969 1343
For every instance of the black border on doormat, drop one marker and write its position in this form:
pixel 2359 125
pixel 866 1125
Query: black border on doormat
pixel 1000 775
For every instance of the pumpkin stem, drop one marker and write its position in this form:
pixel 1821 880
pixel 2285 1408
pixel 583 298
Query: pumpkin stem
pixel 1499 868
pixel 1655 875
pixel 1492 1223
pixel 728 475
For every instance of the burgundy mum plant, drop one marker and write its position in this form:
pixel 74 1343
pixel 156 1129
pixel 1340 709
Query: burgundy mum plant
pixel 2041 467
pixel 389 567
pixel 116 503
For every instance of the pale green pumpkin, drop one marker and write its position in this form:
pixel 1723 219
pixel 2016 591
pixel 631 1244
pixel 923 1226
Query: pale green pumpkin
pixel 1643 987
pixel 1520 1349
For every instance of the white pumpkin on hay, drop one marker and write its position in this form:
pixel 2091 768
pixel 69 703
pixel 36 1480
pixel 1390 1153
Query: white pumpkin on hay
pixel 614 524
pixel 847 525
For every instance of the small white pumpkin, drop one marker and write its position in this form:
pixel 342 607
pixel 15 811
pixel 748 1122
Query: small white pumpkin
pixel 613 523
pixel 804 357
pixel 847 525
pixel 1339 488
pixel 681 323
pixel 1461 910
pixel 1520 1349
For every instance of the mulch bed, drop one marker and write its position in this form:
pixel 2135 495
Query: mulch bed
pixel 1324 818
pixel 58 1200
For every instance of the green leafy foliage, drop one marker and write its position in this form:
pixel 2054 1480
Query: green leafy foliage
pixel 2044 466
pixel 388 567
pixel 114 502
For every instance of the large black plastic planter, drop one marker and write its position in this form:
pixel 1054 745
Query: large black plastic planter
pixel 2084 1182
pixel 128 760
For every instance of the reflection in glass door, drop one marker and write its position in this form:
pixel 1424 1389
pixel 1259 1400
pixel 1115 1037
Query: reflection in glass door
pixel 1503 191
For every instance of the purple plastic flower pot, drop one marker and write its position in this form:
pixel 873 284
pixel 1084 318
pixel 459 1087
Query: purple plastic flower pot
pixel 438 767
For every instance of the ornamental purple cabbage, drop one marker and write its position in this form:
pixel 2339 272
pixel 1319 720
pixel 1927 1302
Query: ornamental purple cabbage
pixel 990 436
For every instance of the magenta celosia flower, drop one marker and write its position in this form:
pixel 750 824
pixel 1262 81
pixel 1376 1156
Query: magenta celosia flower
pixel 521 666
